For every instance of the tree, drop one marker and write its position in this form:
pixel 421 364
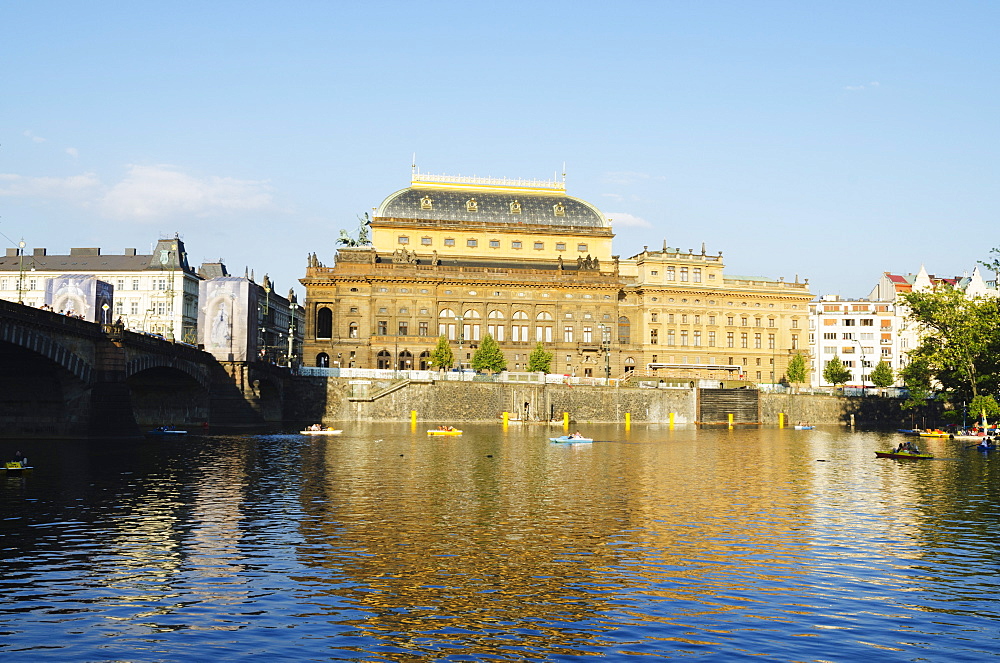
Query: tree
pixel 442 356
pixel 984 405
pixel 917 377
pixel 960 346
pixel 539 360
pixel 883 375
pixel 489 356
pixel 796 370
pixel 835 372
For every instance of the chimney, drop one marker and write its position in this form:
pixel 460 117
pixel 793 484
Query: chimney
pixel 85 252
pixel 130 252
pixel 40 252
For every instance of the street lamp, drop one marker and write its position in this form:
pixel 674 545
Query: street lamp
pixel 606 348
pixel 20 270
pixel 291 333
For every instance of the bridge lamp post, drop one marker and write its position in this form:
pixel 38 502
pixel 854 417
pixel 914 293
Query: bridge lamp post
pixel 291 333
pixel 20 270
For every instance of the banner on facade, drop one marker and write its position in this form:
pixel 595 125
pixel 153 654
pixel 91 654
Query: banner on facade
pixel 79 295
pixel 227 318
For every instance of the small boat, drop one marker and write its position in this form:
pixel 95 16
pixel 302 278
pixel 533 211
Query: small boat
pixel 909 455
pixel 934 433
pixel 17 466
pixel 321 431
pixel 570 439
pixel 908 431
pixel 437 431
pixel 166 430
pixel 963 437
pixel 799 427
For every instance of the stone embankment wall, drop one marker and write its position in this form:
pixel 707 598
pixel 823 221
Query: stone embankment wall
pixel 311 399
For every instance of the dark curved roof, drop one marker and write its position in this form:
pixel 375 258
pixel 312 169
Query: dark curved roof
pixel 492 207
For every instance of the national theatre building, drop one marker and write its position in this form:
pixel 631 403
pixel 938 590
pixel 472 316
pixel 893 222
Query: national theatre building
pixel 526 263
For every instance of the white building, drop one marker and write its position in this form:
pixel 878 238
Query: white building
pixel 155 293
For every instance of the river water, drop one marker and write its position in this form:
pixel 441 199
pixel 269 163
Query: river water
pixel 385 544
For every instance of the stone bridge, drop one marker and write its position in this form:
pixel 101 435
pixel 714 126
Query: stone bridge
pixel 60 376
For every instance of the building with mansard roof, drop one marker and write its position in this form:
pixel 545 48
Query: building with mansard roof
pixel 526 263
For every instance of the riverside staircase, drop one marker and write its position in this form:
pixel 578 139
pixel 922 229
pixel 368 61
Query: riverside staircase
pixel 715 406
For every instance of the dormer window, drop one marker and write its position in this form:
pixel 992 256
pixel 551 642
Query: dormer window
pixel 471 205
pixel 559 210
pixel 425 203
pixel 515 207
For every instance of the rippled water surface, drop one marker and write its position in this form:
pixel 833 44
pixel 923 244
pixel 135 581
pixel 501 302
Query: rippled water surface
pixel 385 544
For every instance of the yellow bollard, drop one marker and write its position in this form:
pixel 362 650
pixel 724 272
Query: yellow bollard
pixel 671 419
pixel 566 420
pixel 413 418
pixel 628 420
pixel 506 417
pixel 781 420
pixel 730 419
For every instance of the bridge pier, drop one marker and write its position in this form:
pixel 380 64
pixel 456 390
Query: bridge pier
pixel 111 410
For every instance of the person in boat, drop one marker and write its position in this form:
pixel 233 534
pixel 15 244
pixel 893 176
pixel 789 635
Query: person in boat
pixel 576 436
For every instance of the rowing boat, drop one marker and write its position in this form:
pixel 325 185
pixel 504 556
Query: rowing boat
pixel 901 455
pixel 804 427
pixel 570 438
pixel 325 431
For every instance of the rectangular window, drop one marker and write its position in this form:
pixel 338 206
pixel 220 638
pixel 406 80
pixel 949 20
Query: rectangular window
pixel 402 239
pixel 383 328
pixel 756 341
pixel 697 319
pixel 770 341
pixel 588 335
pixel 119 307
pixel 756 322
pixel 652 317
pixel 711 339
pixel 403 328
pixel 582 248
pixel 119 284
pixel 670 273
pixel 567 334
pixel 539 246
pixel 670 337
pixel 868 322
pixel 494 244
pixel 684 318
pixel 848 322
pixel 770 322
pixel 422 329
pixel 133 308
pixel 729 340
pixel 696 274
pixel 684 274
pixel 515 245
pixel 743 340
pixel 425 241
pixel 449 241
pixel 472 243
pixel 684 338
pixel 711 319
pixel 560 246
pixel 135 284
pixel 654 336
pixel 795 341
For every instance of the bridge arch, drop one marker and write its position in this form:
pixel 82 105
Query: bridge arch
pixel 29 339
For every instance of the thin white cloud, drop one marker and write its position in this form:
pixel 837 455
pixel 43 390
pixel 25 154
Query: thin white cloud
pixel 614 196
pixel 73 152
pixel 30 134
pixel 629 178
pixel 156 192
pixel 626 220
pixel 65 188
pixel 855 88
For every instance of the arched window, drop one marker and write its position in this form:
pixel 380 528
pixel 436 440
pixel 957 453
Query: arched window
pixel 520 315
pixel 446 313
pixel 624 330
pixel 425 360
pixel 352 330
pixel 323 360
pixel 405 362
pixel 383 359
pixel 543 315
pixel 495 328
pixel 629 365
pixel 472 314
pixel 324 323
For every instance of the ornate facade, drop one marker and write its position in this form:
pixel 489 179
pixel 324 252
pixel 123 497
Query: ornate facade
pixel 526 263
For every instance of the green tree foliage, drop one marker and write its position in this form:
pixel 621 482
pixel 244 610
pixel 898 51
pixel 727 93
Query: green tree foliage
pixel 984 405
pixel 796 371
pixel 960 344
pixel 540 360
pixel 917 377
pixel 883 375
pixel 835 372
pixel 489 356
pixel 442 356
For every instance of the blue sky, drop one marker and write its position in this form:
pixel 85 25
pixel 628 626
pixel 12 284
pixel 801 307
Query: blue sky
pixel 832 141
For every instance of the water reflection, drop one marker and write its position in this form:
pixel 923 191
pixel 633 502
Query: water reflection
pixel 384 544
